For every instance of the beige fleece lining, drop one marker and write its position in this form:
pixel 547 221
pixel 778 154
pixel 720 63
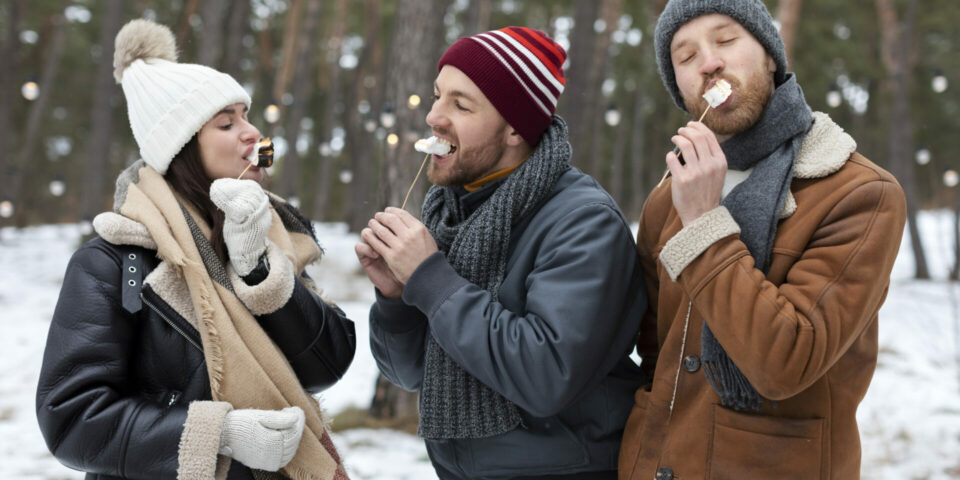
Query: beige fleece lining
pixel 200 442
pixel 694 239
pixel 120 230
pixel 167 282
pixel 825 149
pixel 274 291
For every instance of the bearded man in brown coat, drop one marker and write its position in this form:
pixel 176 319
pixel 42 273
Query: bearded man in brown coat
pixel 767 254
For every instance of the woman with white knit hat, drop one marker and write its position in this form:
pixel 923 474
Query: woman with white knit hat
pixel 188 334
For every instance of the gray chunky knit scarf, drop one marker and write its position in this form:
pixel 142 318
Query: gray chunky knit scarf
pixel 453 403
pixel 770 147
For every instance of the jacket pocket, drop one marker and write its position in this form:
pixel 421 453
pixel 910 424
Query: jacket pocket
pixel 544 446
pixel 633 432
pixel 761 447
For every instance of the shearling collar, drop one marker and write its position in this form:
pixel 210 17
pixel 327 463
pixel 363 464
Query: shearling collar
pixel 120 230
pixel 824 151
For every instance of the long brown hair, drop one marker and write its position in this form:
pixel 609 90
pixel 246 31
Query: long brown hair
pixel 188 178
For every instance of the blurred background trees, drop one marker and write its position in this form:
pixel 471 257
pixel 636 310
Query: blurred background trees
pixel 343 88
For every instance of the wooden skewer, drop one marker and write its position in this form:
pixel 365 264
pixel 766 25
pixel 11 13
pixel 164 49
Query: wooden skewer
pixel 664 177
pixel 414 181
pixel 245 170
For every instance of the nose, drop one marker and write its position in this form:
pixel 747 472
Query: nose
pixel 436 119
pixel 250 133
pixel 712 63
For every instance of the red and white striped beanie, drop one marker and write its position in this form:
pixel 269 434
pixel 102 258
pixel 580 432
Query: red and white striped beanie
pixel 519 69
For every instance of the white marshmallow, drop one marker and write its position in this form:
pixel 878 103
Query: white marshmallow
pixel 718 93
pixel 433 146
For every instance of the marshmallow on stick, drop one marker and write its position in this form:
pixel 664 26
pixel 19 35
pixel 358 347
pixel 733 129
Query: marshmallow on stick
pixel 432 146
pixel 716 95
pixel 261 156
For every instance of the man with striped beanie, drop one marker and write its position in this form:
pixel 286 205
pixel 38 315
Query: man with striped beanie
pixel 511 304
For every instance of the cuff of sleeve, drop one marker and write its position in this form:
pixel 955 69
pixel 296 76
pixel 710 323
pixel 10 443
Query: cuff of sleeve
pixel 431 283
pixel 200 442
pixel 694 239
pixel 394 316
pixel 274 291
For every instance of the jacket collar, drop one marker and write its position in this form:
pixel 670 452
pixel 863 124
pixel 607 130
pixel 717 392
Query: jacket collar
pixel 825 150
pixel 120 230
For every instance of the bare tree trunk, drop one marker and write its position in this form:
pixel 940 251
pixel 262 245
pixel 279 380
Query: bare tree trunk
pixel 955 271
pixel 617 174
pixel 237 27
pixel 579 93
pixel 412 69
pixel 9 74
pixel 788 15
pixel 39 108
pixel 417 40
pixel 302 86
pixel 323 183
pixel 101 115
pixel 900 65
pixel 359 144
pixel 603 65
pixel 477 17
pixel 210 47
pixel 189 11
pixel 289 55
pixel 637 153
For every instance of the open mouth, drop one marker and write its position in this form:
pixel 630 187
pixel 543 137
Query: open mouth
pixel 452 148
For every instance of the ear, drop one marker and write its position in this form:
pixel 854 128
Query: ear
pixel 771 65
pixel 512 137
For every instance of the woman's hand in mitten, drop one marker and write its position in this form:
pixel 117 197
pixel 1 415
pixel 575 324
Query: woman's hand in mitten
pixel 247 211
pixel 262 439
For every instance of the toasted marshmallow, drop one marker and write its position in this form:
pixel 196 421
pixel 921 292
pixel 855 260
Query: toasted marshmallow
pixel 433 146
pixel 262 154
pixel 718 93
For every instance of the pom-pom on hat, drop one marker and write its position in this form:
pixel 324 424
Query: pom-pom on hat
pixel 519 69
pixel 167 102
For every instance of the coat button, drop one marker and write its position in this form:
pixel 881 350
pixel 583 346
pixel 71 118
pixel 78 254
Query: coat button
pixel 691 363
pixel 664 473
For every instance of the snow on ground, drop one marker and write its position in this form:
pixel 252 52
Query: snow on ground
pixel 909 420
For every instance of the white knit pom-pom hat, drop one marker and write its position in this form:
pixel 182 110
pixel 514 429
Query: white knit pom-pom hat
pixel 167 102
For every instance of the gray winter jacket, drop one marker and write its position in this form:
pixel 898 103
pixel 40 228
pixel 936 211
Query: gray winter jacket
pixel 556 343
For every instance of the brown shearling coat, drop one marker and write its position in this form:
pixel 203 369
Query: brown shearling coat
pixel 805 334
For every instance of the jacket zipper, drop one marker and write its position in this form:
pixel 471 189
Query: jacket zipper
pixel 170 322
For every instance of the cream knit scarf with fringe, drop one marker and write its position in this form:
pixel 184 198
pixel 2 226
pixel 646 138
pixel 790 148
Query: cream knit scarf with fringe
pixel 245 368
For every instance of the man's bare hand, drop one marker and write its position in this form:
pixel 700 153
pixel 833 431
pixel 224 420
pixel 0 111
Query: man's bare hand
pixel 401 240
pixel 698 185
pixel 376 268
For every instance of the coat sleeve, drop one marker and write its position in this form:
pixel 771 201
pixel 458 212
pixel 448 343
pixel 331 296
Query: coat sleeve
pixel 88 407
pixel 317 338
pixel 784 338
pixel 397 335
pixel 584 297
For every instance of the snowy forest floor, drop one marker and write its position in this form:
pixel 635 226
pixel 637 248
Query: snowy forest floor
pixel 909 420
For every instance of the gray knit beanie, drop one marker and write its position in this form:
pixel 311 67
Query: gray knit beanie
pixel 752 14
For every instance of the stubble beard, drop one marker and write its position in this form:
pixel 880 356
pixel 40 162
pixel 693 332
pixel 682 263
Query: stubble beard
pixel 469 166
pixel 749 105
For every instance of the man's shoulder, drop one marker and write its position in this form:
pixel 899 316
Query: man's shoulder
pixel 577 188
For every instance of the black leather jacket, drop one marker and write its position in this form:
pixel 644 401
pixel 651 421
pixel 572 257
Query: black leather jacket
pixel 115 386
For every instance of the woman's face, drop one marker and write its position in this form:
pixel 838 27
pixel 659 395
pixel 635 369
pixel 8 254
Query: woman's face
pixel 225 141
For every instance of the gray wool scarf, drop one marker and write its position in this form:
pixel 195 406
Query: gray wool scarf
pixel 770 146
pixel 453 403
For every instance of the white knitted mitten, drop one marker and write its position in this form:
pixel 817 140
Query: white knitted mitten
pixel 262 439
pixel 247 211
